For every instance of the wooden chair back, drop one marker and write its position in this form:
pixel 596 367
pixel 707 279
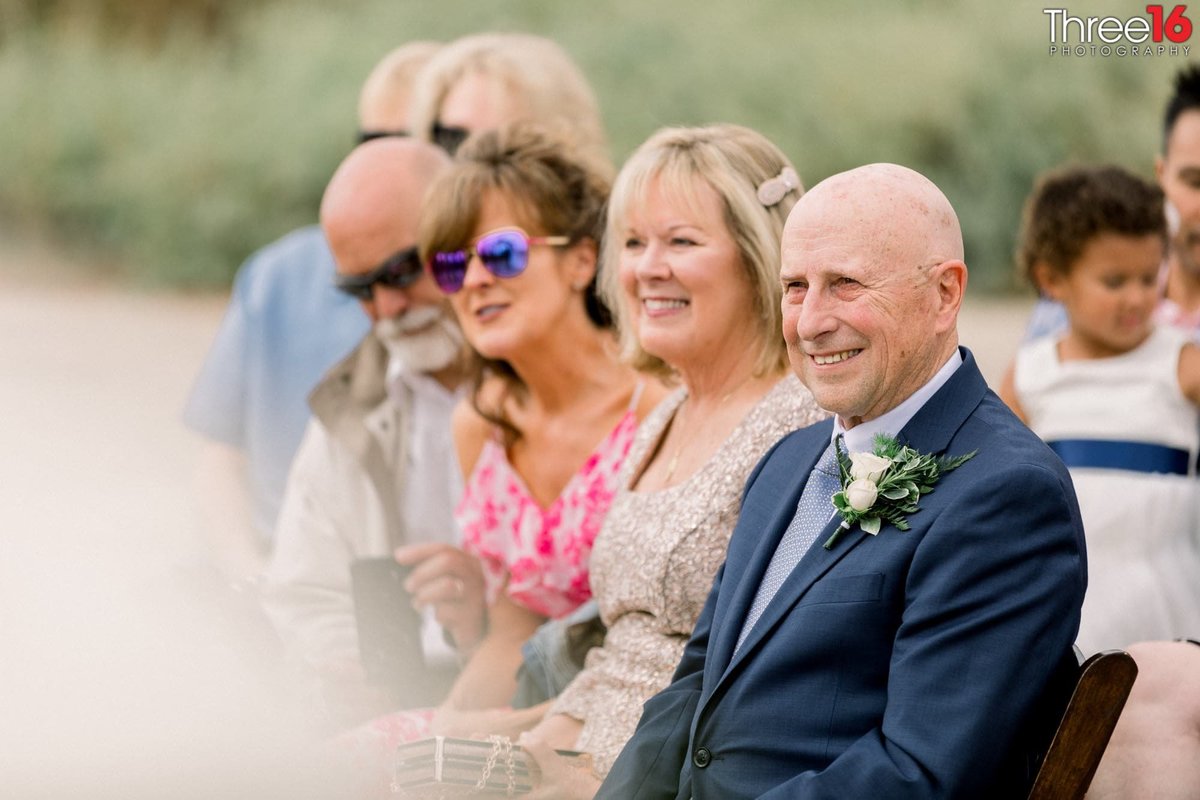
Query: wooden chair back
pixel 1101 689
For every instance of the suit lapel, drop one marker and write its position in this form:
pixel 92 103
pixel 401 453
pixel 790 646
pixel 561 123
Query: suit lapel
pixel 787 484
pixel 936 423
pixel 812 565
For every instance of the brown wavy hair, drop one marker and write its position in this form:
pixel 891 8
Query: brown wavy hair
pixel 555 189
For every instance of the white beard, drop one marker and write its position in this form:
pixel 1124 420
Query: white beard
pixel 421 340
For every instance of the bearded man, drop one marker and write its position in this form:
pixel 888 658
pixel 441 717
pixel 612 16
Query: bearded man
pixel 376 471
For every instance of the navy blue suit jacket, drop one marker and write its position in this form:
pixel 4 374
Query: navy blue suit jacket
pixel 918 664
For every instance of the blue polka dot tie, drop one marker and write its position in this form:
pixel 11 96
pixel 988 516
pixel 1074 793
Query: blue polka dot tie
pixel 813 513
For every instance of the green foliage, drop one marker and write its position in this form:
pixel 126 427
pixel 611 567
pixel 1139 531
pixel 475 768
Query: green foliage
pixel 146 22
pixel 181 157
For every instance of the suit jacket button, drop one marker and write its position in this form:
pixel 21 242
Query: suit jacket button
pixel 702 757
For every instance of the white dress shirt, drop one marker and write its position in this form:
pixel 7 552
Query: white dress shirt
pixel 861 438
pixel 434 484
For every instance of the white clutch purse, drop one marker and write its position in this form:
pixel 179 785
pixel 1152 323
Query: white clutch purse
pixel 445 767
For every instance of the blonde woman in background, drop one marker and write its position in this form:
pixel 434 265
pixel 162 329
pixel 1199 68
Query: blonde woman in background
pixel 485 80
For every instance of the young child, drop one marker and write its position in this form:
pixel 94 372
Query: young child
pixel 1116 398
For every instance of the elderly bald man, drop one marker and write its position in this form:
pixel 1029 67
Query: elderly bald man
pixel 376 475
pixel 917 663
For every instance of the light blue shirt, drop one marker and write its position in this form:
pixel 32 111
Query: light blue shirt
pixel 285 326
pixel 861 438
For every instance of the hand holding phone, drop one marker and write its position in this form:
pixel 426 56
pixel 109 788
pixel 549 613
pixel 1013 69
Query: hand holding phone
pixel 451 581
pixel 389 628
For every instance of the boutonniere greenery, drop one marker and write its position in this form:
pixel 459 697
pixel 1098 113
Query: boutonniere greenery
pixel 886 484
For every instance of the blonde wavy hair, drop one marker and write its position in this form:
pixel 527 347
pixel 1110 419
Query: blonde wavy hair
pixel 735 161
pixel 392 81
pixel 545 86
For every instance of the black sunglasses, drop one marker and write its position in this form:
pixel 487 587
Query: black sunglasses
pixel 399 272
pixel 364 135
pixel 448 137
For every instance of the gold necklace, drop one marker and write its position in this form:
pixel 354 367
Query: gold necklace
pixel 673 463
pixel 683 440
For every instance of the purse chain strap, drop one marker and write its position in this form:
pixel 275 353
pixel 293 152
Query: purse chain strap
pixel 500 745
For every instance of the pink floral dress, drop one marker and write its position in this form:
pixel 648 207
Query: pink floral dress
pixel 538 556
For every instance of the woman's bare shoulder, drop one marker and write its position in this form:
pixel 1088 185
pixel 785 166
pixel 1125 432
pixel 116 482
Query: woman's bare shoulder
pixel 471 432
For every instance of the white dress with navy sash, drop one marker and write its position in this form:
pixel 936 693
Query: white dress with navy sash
pixel 1130 438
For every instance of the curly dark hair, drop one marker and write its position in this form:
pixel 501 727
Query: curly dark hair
pixel 1071 206
pixel 1186 97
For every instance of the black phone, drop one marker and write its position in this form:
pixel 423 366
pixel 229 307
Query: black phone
pixel 389 628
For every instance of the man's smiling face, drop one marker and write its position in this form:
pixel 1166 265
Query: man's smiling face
pixel 865 313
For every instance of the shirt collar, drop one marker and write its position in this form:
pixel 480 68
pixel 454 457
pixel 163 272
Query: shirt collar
pixel 417 383
pixel 861 438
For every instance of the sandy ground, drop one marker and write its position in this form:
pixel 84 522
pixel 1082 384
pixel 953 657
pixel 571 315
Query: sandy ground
pixel 110 667
pixel 120 674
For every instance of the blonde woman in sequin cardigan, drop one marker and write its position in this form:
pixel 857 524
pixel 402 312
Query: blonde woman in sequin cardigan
pixel 694 233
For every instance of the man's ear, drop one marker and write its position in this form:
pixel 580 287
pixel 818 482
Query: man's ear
pixel 1159 166
pixel 950 280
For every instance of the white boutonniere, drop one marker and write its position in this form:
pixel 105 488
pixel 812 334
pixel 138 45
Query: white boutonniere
pixel 885 485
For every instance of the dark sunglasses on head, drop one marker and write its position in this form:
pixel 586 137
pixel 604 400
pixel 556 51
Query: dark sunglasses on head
pixel 504 253
pixel 368 135
pixel 448 137
pixel 399 272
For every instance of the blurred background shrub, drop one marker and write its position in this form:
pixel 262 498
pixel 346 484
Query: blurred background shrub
pixel 172 137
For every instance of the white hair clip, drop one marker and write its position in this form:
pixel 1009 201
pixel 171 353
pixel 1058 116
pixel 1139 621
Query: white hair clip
pixel 772 190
